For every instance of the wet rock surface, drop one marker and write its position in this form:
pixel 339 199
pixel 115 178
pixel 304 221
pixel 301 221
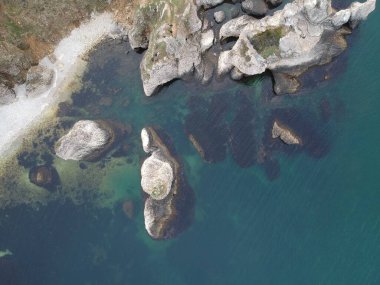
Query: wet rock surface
pixel 45 176
pixel 166 213
pixel 256 8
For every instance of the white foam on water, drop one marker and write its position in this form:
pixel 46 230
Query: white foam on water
pixel 19 117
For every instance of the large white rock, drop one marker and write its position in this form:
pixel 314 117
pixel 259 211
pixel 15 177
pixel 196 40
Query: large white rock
pixel 156 176
pixel 84 140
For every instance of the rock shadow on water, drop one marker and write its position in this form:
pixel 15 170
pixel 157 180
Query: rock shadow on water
pixel 206 127
pixel 242 134
pixel 309 138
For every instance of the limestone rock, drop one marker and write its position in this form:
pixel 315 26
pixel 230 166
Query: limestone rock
pixel 257 8
pixel 207 40
pixel 170 202
pixel 285 134
pixel 174 33
pixel 156 176
pixel 38 80
pixel 303 34
pixel 86 140
pixel 219 16
pixel 7 95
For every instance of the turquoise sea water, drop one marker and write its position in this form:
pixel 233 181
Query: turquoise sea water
pixel 318 222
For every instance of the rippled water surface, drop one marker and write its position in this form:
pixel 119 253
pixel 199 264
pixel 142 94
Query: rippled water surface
pixel 300 217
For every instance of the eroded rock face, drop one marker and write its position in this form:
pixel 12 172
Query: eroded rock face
pixel 168 209
pixel 285 134
pixel 303 34
pixel 87 140
pixel 173 31
pixel 38 80
pixel 7 95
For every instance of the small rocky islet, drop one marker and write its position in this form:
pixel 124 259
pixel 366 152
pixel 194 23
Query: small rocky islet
pixel 193 39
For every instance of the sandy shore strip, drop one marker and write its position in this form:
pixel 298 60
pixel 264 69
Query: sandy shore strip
pixel 19 118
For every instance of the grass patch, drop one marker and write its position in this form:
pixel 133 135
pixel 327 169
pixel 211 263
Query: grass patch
pixel 267 43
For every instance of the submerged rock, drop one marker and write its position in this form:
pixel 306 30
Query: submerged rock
pixel 38 80
pixel 207 129
pixel 168 209
pixel 45 176
pixel 303 34
pixel 7 95
pixel 243 141
pixel 87 140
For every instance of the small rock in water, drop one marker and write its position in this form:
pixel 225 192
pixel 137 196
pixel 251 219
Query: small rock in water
pixel 285 134
pixel 219 16
pixel 44 176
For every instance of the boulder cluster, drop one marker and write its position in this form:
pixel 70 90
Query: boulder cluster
pixel 169 204
pixel 178 35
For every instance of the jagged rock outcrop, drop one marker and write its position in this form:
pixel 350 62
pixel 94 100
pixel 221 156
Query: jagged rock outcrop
pixel 173 31
pixel 168 209
pixel 38 80
pixel 87 140
pixel 303 34
pixel 7 95
pixel 285 134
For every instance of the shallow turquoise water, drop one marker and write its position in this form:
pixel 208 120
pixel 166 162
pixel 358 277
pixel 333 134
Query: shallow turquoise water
pixel 317 223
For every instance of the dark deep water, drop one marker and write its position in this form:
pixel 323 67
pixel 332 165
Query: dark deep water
pixel 305 217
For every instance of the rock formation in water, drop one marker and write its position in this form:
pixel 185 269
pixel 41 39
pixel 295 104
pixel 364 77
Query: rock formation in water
pixel 303 34
pixel 169 207
pixel 87 140
pixel 45 176
pixel 285 134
